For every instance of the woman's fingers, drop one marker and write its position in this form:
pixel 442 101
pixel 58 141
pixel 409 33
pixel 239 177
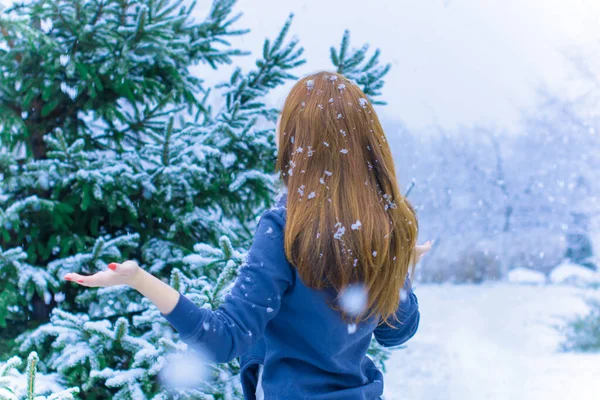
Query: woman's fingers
pixel 99 279
pixel 84 280
pixel 424 248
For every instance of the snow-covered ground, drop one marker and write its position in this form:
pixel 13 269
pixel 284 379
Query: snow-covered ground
pixel 493 342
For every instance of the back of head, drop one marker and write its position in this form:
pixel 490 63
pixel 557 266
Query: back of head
pixel 347 221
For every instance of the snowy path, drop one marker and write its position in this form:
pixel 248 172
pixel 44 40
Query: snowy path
pixel 492 342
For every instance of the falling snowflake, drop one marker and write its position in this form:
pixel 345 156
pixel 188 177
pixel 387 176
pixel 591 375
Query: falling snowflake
pixel 328 173
pixel 269 231
pixel 339 116
pixel 185 370
pixel 351 329
pixel 326 144
pixel 320 106
pixel 403 295
pixel 269 310
pixel 333 78
pixel 290 172
pixel 311 195
pixel 340 232
pixel 341 86
pixel 363 102
pixel 310 84
pixel 331 100
pixel 299 150
pixel 353 300
pixel 301 190
pixel 321 181
pixel 343 132
pixel 344 151
pixel 374 254
pixel 355 261
pixel 356 226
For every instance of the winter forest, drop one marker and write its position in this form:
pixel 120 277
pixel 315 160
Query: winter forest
pixel 145 130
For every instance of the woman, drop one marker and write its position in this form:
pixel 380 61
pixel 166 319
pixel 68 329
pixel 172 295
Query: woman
pixel 328 267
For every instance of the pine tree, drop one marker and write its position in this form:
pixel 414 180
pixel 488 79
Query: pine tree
pixel 112 149
pixel 369 76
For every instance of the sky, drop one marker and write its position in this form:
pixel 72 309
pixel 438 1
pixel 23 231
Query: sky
pixel 454 62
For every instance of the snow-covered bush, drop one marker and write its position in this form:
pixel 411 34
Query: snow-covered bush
pixel 574 274
pixel 475 267
pixel 30 385
pixel 583 332
pixel 473 264
pixel 539 249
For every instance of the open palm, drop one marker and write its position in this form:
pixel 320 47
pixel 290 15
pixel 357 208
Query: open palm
pixel 116 274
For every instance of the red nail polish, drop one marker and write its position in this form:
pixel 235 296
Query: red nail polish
pixel 67 278
pixel 112 266
pixel 80 280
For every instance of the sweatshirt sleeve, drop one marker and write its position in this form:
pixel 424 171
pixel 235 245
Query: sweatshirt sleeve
pixel 239 323
pixel 408 321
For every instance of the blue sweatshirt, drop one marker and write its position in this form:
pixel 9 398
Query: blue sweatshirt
pixel 271 318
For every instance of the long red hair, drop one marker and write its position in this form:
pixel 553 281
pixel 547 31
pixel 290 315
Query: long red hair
pixel 347 221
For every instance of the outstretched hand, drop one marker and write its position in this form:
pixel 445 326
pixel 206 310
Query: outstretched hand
pixel 130 273
pixel 116 274
pixel 421 250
